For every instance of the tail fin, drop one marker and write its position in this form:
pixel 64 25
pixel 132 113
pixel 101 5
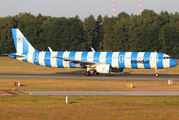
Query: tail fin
pixel 21 43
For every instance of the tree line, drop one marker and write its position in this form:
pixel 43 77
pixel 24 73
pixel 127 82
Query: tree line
pixel 148 33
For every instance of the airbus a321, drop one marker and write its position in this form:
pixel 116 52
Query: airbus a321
pixel 96 62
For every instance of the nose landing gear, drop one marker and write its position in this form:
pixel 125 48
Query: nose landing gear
pixel 156 70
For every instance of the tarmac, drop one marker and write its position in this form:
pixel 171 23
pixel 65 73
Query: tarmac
pixel 64 76
pixel 103 77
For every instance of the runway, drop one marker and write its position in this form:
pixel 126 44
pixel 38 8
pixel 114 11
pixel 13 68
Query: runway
pixel 120 93
pixel 63 76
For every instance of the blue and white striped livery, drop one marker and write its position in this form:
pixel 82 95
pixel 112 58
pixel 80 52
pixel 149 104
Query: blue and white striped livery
pixel 98 62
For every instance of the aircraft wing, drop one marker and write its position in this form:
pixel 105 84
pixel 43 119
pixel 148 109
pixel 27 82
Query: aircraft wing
pixel 84 63
pixel 76 61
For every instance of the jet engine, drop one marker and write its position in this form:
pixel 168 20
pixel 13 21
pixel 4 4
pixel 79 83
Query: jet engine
pixel 103 68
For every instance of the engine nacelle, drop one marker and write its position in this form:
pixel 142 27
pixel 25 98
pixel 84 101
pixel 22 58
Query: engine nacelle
pixel 117 70
pixel 103 68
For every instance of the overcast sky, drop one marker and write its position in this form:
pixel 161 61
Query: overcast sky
pixel 83 8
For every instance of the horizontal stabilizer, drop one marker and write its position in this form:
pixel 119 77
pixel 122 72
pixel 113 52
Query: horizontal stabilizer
pixel 18 55
pixel 15 55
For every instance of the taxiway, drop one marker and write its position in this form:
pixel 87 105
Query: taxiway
pixel 120 93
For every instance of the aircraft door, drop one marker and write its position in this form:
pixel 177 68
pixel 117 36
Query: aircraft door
pixel 121 58
pixel 155 58
pixel 35 57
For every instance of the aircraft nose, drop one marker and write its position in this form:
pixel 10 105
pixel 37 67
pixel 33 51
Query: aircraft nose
pixel 173 63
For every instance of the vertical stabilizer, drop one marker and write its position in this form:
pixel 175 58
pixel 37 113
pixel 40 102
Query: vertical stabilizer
pixel 22 45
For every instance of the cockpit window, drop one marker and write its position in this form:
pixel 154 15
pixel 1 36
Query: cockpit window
pixel 166 57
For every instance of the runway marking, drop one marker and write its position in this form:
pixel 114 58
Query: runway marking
pixel 17 93
pixel 5 93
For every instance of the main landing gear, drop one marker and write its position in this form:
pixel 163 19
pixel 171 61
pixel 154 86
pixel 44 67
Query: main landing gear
pixel 87 73
pixel 95 73
pixel 156 70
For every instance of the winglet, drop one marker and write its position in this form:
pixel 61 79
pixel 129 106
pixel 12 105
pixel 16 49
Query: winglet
pixel 50 50
pixel 53 54
pixel 93 49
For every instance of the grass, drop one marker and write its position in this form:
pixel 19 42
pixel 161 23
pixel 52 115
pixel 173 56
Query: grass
pixel 89 107
pixel 9 65
pixel 85 85
pixel 85 107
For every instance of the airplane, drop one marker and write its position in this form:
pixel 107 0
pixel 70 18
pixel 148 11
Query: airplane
pixel 96 62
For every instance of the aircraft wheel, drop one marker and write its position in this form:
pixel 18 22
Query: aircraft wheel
pixel 87 73
pixel 157 75
pixel 95 73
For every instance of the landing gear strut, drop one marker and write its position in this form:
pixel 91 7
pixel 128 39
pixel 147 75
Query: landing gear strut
pixel 87 73
pixel 156 70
